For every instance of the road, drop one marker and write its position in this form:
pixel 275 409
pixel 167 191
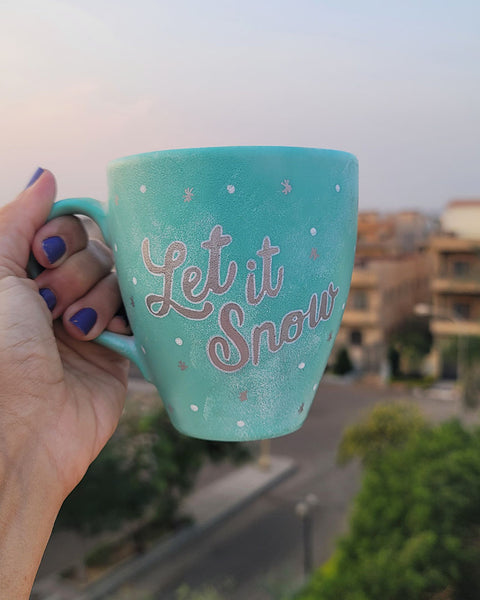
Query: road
pixel 258 553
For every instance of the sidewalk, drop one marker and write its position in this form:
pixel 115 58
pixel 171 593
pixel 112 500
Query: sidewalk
pixel 208 506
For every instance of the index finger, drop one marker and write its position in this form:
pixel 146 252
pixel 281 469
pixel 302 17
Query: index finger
pixel 59 239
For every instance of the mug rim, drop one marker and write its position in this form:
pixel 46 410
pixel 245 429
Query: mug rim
pixel 211 149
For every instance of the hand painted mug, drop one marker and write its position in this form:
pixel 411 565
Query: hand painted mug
pixel 234 266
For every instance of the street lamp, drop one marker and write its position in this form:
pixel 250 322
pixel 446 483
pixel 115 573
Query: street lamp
pixel 423 310
pixel 305 509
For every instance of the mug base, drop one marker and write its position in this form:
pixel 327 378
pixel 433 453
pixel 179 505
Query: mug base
pixel 241 434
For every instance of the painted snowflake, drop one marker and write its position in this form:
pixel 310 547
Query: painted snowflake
pixel 188 195
pixel 287 188
pixel 182 366
pixel 314 254
pixel 243 395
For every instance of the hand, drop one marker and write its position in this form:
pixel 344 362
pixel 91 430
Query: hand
pixel 60 396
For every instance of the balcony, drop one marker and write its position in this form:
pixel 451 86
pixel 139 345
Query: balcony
pixel 456 285
pixel 442 327
pixel 363 278
pixel 359 318
pixel 451 244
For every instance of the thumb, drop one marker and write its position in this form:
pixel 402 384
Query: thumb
pixel 20 220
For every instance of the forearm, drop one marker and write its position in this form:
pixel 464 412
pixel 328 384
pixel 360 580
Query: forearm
pixel 28 508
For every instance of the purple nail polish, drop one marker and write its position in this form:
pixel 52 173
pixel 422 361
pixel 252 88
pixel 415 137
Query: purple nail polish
pixel 35 176
pixel 84 319
pixel 49 297
pixel 54 248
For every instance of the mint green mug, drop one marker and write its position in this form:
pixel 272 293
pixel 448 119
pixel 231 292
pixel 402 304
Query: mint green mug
pixel 234 266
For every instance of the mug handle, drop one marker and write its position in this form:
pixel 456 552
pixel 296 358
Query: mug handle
pixel 122 344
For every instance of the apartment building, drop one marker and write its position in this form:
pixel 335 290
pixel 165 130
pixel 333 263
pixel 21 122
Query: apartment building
pixel 391 275
pixel 455 256
pixel 383 294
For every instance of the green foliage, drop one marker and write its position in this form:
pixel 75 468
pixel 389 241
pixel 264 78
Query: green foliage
pixel 147 463
pixel 413 341
pixel 385 426
pixel 343 364
pixel 415 527
pixel 101 555
pixel 449 350
pixel 110 492
pixel 393 357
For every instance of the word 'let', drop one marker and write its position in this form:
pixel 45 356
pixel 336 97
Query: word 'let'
pixel 159 305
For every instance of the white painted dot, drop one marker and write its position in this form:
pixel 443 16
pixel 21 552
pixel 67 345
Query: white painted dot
pixel 115 247
pixel 231 189
pixel 343 306
pixel 313 231
pixel 143 350
pixel 241 423
pixel 301 365
pixel 194 407
pixel 337 188
pixel 143 188
pixel 178 341
pixel 315 386
pixel 134 279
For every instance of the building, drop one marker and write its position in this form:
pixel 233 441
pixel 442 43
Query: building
pixel 391 275
pixel 455 256
pixel 461 218
pixel 381 235
pixel 383 294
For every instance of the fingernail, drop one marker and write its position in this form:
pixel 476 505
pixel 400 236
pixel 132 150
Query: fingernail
pixel 35 176
pixel 49 297
pixel 84 319
pixel 54 248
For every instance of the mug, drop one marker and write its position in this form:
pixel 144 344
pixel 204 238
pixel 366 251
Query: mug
pixel 234 265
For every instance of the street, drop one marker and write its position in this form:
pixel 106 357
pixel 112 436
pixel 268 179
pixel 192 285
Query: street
pixel 258 553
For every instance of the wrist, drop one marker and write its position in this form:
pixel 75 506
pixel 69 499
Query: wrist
pixel 28 509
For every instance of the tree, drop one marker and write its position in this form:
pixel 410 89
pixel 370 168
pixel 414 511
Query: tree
pixel 415 527
pixel 393 357
pixel 413 341
pixel 385 426
pixel 147 463
pixel 343 364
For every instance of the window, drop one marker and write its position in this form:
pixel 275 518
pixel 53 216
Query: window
pixel 461 310
pixel 461 268
pixel 356 337
pixel 360 300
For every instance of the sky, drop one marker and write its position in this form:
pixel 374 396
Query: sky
pixel 395 83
